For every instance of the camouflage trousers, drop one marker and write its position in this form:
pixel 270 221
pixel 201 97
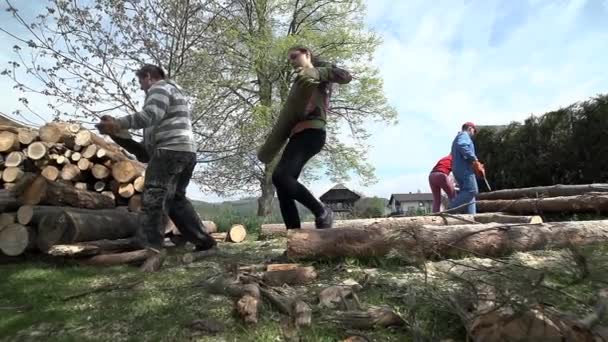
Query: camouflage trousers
pixel 167 176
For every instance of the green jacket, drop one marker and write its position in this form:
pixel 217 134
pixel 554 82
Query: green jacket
pixel 305 107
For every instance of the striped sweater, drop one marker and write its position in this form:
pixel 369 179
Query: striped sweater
pixel 165 119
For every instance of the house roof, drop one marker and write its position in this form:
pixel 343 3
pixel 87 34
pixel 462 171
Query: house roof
pixel 411 197
pixel 339 192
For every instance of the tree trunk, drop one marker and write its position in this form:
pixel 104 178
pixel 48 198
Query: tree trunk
pixel 72 226
pixel 296 276
pixel 15 239
pixel 590 202
pixel 278 229
pixel 426 241
pixel 61 194
pixel 543 191
pixel 134 257
pixel 265 200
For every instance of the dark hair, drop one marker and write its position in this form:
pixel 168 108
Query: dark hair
pixel 316 61
pixel 153 71
pixel 467 126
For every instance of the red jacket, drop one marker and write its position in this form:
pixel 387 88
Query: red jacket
pixel 444 165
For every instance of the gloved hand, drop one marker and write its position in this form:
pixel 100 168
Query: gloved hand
pixel 479 169
pixel 306 77
pixel 108 125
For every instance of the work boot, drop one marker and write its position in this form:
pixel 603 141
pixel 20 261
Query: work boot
pixel 326 220
pixel 206 245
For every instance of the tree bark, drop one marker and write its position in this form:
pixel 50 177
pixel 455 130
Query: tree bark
pixel 543 191
pixel 265 200
pixel 278 229
pixel 62 194
pixel 590 202
pixel 93 247
pixel 134 257
pixel 296 276
pixel 425 241
pixel 72 226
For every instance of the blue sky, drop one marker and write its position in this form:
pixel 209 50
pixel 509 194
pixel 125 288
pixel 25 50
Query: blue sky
pixel 447 62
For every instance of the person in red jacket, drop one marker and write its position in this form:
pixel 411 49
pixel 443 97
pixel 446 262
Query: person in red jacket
pixel 439 179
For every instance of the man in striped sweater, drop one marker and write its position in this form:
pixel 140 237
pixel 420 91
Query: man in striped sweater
pixel 169 149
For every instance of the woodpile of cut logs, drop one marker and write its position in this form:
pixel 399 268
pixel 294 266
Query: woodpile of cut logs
pixel 67 191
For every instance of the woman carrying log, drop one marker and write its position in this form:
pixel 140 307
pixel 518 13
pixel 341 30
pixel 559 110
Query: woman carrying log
pixel 170 145
pixel 302 122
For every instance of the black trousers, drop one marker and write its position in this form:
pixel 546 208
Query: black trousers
pixel 167 176
pixel 301 147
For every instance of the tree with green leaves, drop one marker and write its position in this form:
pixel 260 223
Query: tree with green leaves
pixel 230 56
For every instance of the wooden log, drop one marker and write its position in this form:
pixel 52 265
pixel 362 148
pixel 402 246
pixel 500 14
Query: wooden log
pixel 220 237
pixel 7 218
pixel 89 248
pixel 591 202
pixel 99 186
pixel 15 239
pixel 83 138
pixel 50 133
pixel 89 152
pixel 209 226
pixel 84 164
pixel 50 173
pixel 100 172
pixel 14 159
pixel 543 191
pixel 70 172
pixel 237 233
pixel 9 186
pixel 126 171
pixel 81 186
pixel 126 190
pixel 62 160
pixel 425 241
pixel 31 215
pixel 72 226
pixel 68 154
pixel 12 174
pixel 138 184
pixel 278 229
pixel 134 257
pixel 76 156
pixel 8 141
pixel 135 203
pixel 26 136
pixel 297 276
pixel 42 191
pixel 189 258
pixel 8 201
pixel 109 194
pixel 248 297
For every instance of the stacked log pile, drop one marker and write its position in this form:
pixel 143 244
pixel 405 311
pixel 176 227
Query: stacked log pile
pixel 69 192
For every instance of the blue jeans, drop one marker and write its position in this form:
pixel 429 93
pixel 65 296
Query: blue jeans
pixel 466 194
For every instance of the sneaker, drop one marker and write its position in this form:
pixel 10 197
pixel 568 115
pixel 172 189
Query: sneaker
pixel 326 220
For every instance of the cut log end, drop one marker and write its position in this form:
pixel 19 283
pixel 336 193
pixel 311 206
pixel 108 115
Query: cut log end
pixel 14 159
pixel 8 141
pixel 83 138
pixel 12 174
pixel 138 184
pixel 126 171
pixel 100 172
pixel 14 239
pixel 27 136
pixel 70 172
pixel 237 233
pixel 50 172
pixel 126 190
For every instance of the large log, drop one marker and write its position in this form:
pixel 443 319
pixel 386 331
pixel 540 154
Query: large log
pixel 543 191
pixel 62 194
pixel 425 241
pixel 278 229
pixel 126 171
pixel 89 248
pixel 15 239
pixel 590 202
pixel 72 226
pixel 8 141
pixel 26 135
pixel 133 257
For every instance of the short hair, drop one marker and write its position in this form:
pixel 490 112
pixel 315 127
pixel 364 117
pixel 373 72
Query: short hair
pixel 154 71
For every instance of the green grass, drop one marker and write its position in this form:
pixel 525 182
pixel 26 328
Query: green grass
pixel 161 305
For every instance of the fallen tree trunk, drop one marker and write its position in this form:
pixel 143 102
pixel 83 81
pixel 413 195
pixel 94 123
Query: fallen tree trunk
pixel 8 201
pixel 133 257
pixel 591 202
pixel 417 241
pixel 72 226
pixel 543 191
pixel 42 191
pixel 278 229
